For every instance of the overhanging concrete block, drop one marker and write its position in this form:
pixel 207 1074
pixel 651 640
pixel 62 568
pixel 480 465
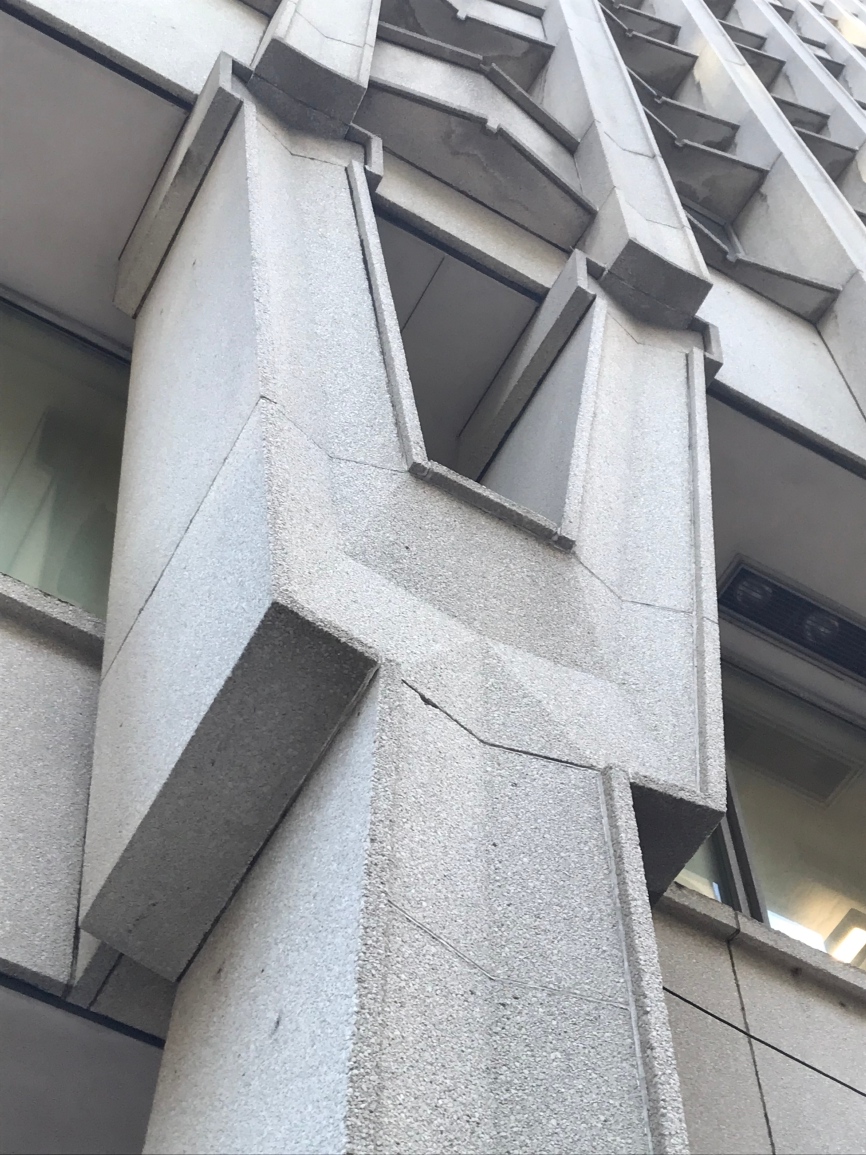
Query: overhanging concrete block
pixel 177 816
pixel 640 235
pixel 313 64
pixel 176 186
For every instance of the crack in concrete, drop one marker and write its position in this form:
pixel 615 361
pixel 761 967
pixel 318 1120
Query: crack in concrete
pixel 499 745
pixel 501 979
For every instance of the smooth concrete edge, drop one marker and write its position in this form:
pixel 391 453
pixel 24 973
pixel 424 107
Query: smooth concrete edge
pixel 721 921
pixel 49 615
pixel 665 1114
pixel 42 982
pixel 702 913
pixel 712 776
pixel 93 966
pixel 402 397
pixel 176 187
pixel 45 21
pixel 473 493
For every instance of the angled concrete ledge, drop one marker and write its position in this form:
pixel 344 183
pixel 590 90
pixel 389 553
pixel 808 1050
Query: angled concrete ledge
pixel 833 157
pixel 640 21
pixel 802 117
pixel 808 299
pixel 765 67
pixel 663 65
pixel 314 60
pixel 721 921
pixel 176 186
pixel 154 895
pixel 46 614
pixel 716 181
pixel 684 121
pixel 394 34
pixel 491 502
pixel 462 128
pixel 513 40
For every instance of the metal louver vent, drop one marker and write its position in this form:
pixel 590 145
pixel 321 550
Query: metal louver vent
pixel 752 598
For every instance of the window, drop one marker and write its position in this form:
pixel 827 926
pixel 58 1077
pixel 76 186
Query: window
pixel 62 409
pixel 793 839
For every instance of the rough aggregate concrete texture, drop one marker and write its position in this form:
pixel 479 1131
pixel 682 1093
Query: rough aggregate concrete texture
pixel 232 524
pixel 387 966
pixel 49 692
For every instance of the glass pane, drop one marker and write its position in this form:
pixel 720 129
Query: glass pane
pixel 705 872
pixel 800 777
pixel 62 408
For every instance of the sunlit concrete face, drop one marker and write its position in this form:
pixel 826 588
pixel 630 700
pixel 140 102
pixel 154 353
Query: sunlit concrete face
pixel 410 698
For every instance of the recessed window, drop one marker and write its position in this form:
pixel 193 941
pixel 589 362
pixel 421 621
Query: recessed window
pixel 797 774
pixel 62 410
pixel 458 325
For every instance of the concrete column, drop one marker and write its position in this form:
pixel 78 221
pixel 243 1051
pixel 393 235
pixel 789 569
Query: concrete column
pixel 444 947
pixel 433 721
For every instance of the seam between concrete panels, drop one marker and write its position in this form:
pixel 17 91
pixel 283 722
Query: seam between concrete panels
pixel 452 948
pixel 617 883
pixel 751 1039
pixel 180 538
pixel 764 1043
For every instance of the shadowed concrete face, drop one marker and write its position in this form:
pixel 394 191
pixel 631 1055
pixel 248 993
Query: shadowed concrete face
pixel 70 1084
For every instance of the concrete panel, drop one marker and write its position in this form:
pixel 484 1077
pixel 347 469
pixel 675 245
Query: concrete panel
pixel 48 690
pixel 264 1017
pixel 387 969
pixel 802 1018
pixel 721 1093
pixel 696 965
pixel 174 44
pixel 195 353
pixel 472 1065
pixel 779 362
pixel 147 889
pixel 69 1084
pixel 808 1113
pixel 468 874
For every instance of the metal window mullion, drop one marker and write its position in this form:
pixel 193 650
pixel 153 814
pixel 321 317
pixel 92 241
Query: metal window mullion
pixel 742 858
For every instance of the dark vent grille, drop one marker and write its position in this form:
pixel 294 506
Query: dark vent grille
pixel 753 597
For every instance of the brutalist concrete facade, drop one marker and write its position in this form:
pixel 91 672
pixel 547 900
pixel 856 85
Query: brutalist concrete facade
pixel 410 699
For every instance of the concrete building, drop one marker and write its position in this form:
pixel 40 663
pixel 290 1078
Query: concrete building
pixel 432 554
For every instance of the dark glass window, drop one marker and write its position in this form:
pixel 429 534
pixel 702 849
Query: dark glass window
pixel 62 411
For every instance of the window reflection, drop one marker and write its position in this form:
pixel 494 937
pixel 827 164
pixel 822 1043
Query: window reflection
pixel 705 871
pixel 62 408
pixel 800 777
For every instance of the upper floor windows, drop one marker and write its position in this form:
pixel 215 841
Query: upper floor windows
pixel 792 846
pixel 62 410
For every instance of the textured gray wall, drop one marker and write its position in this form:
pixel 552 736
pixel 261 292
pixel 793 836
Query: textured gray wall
pixel 764 1054
pixel 48 693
